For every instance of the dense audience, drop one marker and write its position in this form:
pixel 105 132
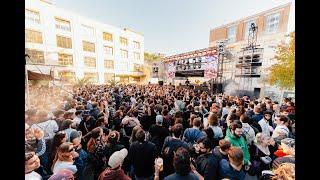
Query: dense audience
pixel 156 132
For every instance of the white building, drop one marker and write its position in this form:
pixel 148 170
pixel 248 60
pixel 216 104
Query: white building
pixel 76 46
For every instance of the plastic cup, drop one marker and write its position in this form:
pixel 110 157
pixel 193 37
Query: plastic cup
pixel 160 163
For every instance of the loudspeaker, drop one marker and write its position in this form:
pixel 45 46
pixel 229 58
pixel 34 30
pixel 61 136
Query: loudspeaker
pixel 160 83
pixel 217 88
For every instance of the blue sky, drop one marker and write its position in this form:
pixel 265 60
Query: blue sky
pixel 171 26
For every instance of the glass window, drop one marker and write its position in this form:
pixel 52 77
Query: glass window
pixel 90 61
pixel 63 24
pixel 88 46
pixel 248 26
pixel 108 64
pixel 272 23
pixel 108 50
pixel 123 66
pixel 136 45
pixel 107 36
pixel 36 56
pixel 123 41
pixel 67 75
pixel 136 56
pixel 124 53
pixel 232 32
pixel 33 36
pixel 32 16
pixel 87 31
pixel 65 59
pixel 64 42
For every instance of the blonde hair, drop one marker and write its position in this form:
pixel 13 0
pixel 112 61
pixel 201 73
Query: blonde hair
pixel 285 171
pixel 259 138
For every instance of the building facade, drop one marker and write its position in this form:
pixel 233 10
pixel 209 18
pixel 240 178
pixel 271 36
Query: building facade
pixel 74 46
pixel 272 30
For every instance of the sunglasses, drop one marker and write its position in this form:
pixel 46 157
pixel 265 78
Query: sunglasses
pixel 73 149
pixel 28 156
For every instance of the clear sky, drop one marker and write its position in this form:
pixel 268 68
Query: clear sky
pixel 171 26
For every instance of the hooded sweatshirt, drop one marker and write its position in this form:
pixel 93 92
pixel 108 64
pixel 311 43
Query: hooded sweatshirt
pixel 239 142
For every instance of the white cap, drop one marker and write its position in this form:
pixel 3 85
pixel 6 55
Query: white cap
pixel 116 159
pixel 159 119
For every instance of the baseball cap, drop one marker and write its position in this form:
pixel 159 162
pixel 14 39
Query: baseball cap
pixel 62 174
pixel 116 159
pixel 159 119
pixel 86 113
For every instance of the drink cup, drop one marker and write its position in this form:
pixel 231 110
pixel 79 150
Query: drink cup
pixel 160 163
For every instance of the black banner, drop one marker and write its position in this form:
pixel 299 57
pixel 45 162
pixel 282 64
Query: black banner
pixel 194 73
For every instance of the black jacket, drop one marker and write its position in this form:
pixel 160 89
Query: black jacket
pixel 142 156
pixel 169 147
pixel 227 171
pixel 87 126
pixel 95 112
pixel 207 166
pixel 158 134
pixel 218 154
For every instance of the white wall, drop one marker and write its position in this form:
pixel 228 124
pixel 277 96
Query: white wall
pixel 48 12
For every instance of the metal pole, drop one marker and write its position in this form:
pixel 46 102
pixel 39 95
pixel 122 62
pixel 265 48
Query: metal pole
pixel 27 88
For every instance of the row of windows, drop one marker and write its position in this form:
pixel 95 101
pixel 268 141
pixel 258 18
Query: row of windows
pixel 37 56
pixel 70 76
pixel 62 24
pixel 65 42
pixel 272 26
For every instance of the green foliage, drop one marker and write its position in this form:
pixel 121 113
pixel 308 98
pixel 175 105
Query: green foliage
pixel 151 57
pixel 83 81
pixel 282 73
pixel 113 82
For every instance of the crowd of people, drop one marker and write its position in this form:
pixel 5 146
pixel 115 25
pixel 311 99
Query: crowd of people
pixel 146 132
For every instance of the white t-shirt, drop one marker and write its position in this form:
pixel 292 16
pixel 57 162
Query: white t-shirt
pixel 264 126
pixel 32 176
pixel 64 165
pixel 77 120
pixel 280 129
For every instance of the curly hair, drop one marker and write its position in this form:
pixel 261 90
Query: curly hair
pixel 285 171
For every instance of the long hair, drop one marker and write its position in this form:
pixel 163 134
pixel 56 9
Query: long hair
pixel 133 134
pixel 63 148
pixel 95 134
pixel 56 142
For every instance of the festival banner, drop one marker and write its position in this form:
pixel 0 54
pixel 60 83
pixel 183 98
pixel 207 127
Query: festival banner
pixel 211 68
pixel 171 70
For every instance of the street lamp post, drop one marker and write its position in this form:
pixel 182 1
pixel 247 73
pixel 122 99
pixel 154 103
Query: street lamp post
pixel 27 82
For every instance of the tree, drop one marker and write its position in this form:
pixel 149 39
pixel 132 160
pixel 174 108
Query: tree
pixel 113 82
pixel 282 73
pixel 83 81
pixel 149 57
